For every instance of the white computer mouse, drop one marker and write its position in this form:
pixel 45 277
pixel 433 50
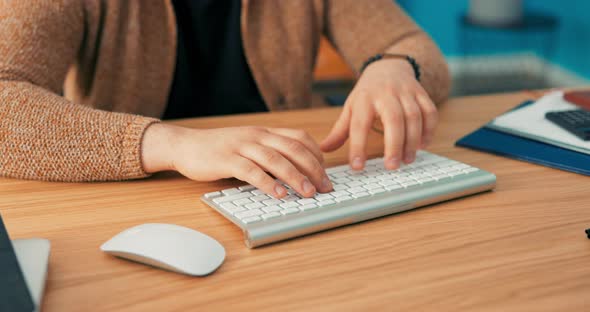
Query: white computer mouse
pixel 168 246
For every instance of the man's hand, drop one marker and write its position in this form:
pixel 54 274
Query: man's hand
pixel 387 90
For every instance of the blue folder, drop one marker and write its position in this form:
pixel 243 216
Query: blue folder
pixel 500 143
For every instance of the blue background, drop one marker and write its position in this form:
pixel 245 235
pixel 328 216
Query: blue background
pixel 441 19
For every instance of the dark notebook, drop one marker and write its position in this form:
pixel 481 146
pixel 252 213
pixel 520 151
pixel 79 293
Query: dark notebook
pixel 14 292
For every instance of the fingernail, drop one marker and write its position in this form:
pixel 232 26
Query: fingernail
pixel 391 163
pixel 307 187
pixel 279 191
pixel 357 163
pixel 326 184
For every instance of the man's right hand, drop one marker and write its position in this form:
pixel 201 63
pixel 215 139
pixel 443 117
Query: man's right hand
pixel 250 154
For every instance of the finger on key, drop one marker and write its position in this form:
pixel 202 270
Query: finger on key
pixel 247 171
pixel 303 137
pixel 302 158
pixel 413 122
pixel 360 125
pixel 392 117
pixel 429 116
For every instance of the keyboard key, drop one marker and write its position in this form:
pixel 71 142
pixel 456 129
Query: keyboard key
pixel 231 208
pixel 369 180
pixel 242 202
pixel 470 169
pixel 289 211
pixel 376 191
pixel 231 191
pixel 271 215
pixel 248 213
pixel 393 187
pixel 354 183
pixel 231 198
pixel 322 196
pixel 255 205
pixel 308 207
pixel 288 205
pixel 212 194
pixel 342 198
pixel 246 188
pixel 341 180
pixel 383 177
pixel 372 186
pixel 271 208
pixel 341 174
pixel 333 170
pixel 258 198
pixel 372 174
pixel 387 182
pixel 339 193
pixel 251 220
pixel 403 180
pixel 446 163
pixel 257 192
pixel 340 187
pixel 326 202
pixel 455 173
pixel 306 201
pixel 440 176
pixel 360 194
pixel 409 184
pixel 271 202
pixel 461 166
pixel 426 179
pixel 374 161
pixel 291 198
pixel 357 189
pixel 354 174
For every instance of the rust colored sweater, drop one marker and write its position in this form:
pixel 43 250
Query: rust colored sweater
pixel 80 81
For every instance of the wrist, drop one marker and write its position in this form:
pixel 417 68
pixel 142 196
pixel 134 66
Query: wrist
pixel 401 62
pixel 158 147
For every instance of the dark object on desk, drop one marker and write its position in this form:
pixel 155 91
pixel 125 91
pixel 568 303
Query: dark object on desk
pixel 576 122
pixel 14 292
pixel 588 233
pixel 503 144
pixel 580 98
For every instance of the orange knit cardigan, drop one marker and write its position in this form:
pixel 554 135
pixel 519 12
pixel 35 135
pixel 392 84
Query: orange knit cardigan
pixel 80 81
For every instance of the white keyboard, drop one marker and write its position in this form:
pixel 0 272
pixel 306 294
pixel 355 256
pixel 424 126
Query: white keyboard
pixel 357 196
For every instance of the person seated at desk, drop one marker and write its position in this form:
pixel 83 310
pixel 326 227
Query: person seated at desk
pixel 83 83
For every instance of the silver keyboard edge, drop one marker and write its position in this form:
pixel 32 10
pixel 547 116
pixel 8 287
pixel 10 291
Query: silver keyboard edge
pixel 359 210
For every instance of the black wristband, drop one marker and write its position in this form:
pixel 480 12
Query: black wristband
pixel 380 56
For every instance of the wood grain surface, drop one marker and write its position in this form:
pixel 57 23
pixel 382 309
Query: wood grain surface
pixel 519 248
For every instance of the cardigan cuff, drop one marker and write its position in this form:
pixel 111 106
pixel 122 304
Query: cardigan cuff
pixel 131 162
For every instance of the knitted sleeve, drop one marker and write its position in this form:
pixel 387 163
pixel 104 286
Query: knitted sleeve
pixel 361 29
pixel 43 136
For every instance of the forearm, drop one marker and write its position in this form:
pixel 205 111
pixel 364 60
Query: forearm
pixel 45 137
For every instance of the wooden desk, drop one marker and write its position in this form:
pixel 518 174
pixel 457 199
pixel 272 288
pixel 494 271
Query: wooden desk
pixel 521 247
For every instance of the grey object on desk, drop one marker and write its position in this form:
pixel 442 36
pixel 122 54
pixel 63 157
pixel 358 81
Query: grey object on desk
pixel 33 257
pixel 14 294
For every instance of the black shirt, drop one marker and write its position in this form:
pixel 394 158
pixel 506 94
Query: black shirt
pixel 212 76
